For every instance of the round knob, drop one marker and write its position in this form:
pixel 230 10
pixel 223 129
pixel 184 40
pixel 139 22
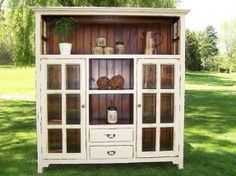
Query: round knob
pixel 139 105
pixel 83 106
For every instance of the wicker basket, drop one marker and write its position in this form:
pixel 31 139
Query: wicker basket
pixel 117 82
pixel 103 83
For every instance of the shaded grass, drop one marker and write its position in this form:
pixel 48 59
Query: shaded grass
pixel 210 130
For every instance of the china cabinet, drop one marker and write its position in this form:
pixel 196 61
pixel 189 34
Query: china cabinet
pixel 145 101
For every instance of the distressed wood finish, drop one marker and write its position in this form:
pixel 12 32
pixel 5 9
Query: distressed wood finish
pixel 71 111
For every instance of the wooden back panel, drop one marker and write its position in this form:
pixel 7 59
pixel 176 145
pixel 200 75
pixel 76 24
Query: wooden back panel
pixel 130 30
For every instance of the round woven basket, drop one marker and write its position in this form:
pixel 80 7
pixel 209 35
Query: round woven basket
pixel 103 82
pixel 117 82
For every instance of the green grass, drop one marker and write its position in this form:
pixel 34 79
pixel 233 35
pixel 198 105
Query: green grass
pixel 16 81
pixel 210 131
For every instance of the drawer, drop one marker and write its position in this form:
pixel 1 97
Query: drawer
pixel 111 135
pixel 106 152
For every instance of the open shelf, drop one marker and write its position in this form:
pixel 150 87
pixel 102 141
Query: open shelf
pixel 98 104
pixel 128 29
pixel 110 68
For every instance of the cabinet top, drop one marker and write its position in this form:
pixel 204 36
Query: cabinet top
pixel 121 11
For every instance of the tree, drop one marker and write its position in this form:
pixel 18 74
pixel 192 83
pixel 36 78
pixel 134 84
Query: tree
pixel 20 20
pixel 208 47
pixel 192 47
pixel 228 42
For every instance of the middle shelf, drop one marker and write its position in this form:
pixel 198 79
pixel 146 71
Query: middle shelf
pixel 111 74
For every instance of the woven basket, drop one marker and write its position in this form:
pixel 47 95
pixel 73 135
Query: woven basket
pixel 103 82
pixel 117 82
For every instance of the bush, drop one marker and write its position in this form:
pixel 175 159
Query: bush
pixel 5 54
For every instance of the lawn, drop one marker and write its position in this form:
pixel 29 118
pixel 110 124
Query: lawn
pixel 210 130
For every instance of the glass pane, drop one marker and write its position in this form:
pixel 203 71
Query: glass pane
pixel 149 139
pixel 54 109
pixel 54 141
pixel 166 139
pixel 167 76
pixel 54 77
pixel 149 108
pixel 72 77
pixel 72 109
pixel 73 140
pixel 149 76
pixel 167 108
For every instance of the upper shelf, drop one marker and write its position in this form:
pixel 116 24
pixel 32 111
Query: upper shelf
pixel 112 56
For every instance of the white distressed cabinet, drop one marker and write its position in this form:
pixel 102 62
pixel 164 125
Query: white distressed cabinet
pixel 72 126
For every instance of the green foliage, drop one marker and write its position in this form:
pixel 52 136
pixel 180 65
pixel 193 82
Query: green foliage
pixel 228 43
pixel 208 40
pixel 120 3
pixel 192 47
pixel 62 27
pixel 202 50
pixel 5 54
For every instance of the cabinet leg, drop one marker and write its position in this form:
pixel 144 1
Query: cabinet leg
pixel 40 169
pixel 181 164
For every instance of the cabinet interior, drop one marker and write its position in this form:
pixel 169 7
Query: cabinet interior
pixel 129 29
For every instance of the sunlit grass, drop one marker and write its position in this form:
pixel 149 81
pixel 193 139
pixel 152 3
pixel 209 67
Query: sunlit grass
pixel 210 131
pixel 17 81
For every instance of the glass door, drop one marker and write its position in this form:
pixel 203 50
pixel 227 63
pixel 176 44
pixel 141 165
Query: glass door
pixel 157 107
pixel 63 108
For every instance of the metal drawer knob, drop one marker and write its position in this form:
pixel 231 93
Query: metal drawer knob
pixel 83 106
pixel 111 152
pixel 139 105
pixel 110 136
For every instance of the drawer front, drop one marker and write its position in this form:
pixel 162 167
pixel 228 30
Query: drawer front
pixel 106 152
pixel 111 135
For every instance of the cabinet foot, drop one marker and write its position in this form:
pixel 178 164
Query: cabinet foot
pixel 180 165
pixel 40 169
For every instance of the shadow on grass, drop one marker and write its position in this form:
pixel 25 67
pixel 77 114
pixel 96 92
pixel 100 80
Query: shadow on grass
pixel 197 163
pixel 213 111
pixel 208 110
pixel 17 138
pixel 201 78
pixel 16 115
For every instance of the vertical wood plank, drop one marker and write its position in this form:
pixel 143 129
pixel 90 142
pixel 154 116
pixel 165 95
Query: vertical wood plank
pixel 72 39
pixel 163 46
pixel 110 36
pixel 133 45
pixel 79 40
pixel 126 38
pixel 126 73
pixel 110 68
pixel 94 73
pixel 103 30
pixel 95 34
pixel 87 39
pixel 102 68
pixel 141 39
pixel 118 33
